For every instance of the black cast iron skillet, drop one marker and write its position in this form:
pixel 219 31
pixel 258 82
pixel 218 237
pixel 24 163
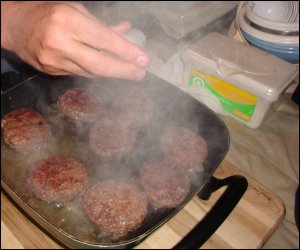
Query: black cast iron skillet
pixel 171 105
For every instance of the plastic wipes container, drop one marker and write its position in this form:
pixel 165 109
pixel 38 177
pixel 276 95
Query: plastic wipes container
pixel 235 79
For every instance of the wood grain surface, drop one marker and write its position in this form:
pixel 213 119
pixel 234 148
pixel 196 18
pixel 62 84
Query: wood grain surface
pixel 250 225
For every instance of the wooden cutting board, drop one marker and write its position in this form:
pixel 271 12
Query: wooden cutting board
pixel 250 225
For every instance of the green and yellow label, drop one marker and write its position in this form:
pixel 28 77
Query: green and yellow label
pixel 233 99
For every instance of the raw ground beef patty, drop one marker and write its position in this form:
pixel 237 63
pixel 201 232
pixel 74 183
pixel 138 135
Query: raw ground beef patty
pixel 57 179
pixel 115 207
pixel 184 148
pixel 79 104
pixel 165 185
pixel 24 129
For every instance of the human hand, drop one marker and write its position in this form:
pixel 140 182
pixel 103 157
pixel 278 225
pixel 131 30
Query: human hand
pixel 65 38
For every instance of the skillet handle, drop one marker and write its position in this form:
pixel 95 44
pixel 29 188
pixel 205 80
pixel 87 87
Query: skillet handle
pixel 236 187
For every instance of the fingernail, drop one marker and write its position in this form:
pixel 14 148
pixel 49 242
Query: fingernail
pixel 140 75
pixel 143 61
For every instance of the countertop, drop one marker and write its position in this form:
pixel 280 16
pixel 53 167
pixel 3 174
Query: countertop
pixel 250 225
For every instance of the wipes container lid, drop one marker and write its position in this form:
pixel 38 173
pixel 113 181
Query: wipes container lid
pixel 244 66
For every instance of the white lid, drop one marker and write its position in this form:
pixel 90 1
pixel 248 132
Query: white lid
pixel 242 65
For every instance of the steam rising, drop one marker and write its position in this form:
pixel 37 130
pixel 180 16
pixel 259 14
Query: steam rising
pixel 71 137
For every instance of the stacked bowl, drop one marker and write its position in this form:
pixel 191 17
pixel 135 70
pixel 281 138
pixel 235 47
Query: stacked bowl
pixel 272 26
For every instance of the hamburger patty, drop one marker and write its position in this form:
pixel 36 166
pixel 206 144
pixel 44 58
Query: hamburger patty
pixel 56 179
pixel 165 186
pixel 115 207
pixel 184 148
pixel 78 104
pixel 24 129
pixel 133 110
pixel 110 139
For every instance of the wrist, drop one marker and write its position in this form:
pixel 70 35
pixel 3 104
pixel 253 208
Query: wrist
pixel 5 13
pixel 8 15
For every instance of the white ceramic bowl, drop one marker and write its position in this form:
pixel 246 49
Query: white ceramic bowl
pixel 280 26
pixel 276 11
pixel 294 40
pixel 293 11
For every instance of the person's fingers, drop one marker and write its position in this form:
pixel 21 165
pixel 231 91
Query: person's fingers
pixel 67 46
pixel 51 70
pixel 101 37
pixel 55 63
pixel 121 28
pixel 97 63
pixel 69 69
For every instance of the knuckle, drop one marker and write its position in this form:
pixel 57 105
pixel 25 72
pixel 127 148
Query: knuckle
pixel 44 58
pixel 53 71
pixel 49 70
pixel 59 14
pixel 48 42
